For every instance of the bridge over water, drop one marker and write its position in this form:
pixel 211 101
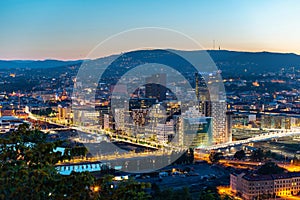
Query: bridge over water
pixel 272 134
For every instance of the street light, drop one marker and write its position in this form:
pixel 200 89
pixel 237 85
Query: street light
pixel 96 188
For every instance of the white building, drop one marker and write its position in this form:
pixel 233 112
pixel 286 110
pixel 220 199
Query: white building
pixel 252 186
pixel 120 118
pixel 165 132
pixel 9 123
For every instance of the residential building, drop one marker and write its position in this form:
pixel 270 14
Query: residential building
pixel 254 186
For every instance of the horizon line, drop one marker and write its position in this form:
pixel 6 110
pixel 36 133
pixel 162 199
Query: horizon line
pixel 114 54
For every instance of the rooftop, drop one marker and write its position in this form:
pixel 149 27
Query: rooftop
pixel 256 177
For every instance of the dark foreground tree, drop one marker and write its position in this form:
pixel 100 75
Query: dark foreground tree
pixel 209 193
pixel 126 190
pixel 170 194
pixel 28 169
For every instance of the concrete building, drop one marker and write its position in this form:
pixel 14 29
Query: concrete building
pixel 253 186
pixel 9 123
pixel 139 116
pixel 275 122
pixel 62 112
pixel 120 118
pixel 85 117
pixel 193 129
pixel 217 111
pixel 108 122
pixel 207 86
pixel 165 132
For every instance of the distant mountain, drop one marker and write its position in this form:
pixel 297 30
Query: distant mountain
pixel 227 61
pixel 254 61
pixel 36 63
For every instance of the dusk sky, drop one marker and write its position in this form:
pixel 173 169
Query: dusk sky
pixel 66 30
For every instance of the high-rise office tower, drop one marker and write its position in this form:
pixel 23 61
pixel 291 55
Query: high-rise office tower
pixel 214 108
pixel 202 92
pixel 201 89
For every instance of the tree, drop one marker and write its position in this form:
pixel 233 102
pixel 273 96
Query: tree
pixel 215 156
pixel 46 112
pixel 257 155
pixel 296 160
pixel 187 157
pixel 183 194
pixel 239 154
pixel 28 169
pixel 209 193
pixel 155 188
pixel 170 194
pixel 77 151
pixel 270 168
pixel 190 155
pixel 226 197
pixel 126 189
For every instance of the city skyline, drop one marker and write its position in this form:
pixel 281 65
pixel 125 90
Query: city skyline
pixel 149 99
pixel 70 30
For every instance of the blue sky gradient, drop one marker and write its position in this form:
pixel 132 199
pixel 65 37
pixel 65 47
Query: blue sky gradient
pixel 36 29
